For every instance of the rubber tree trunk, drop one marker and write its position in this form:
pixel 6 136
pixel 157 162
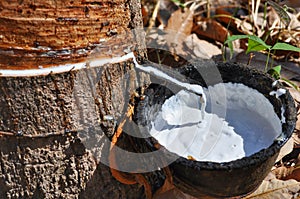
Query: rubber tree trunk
pixel 42 154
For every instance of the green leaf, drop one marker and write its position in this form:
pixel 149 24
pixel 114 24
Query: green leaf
pixel 177 2
pixel 232 38
pixel 285 46
pixel 290 83
pixel 230 46
pixel 275 71
pixel 256 44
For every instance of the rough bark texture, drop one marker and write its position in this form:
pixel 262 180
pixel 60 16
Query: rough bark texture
pixel 56 127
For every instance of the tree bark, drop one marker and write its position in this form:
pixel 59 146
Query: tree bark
pixel 55 127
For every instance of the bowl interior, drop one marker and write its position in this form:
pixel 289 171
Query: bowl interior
pixel 189 174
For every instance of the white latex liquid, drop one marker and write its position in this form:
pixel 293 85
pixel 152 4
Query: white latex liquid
pixel 243 122
pixel 183 128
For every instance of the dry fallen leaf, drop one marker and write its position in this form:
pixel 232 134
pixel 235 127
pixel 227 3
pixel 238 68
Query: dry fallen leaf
pixel 226 16
pixel 272 188
pixel 211 29
pixel 179 27
pixel 145 14
pixel 296 171
pixel 286 149
pixel 296 95
pixel 291 3
pixel 180 21
pixel 296 137
pixel 294 175
pixel 282 172
pixel 200 48
pixel 166 8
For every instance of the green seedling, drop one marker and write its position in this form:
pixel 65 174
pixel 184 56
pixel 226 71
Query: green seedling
pixel 275 72
pixel 256 44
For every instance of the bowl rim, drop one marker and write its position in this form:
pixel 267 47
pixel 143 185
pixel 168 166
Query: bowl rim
pixel 255 158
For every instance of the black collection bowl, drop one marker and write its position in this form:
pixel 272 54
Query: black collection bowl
pixel 211 179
